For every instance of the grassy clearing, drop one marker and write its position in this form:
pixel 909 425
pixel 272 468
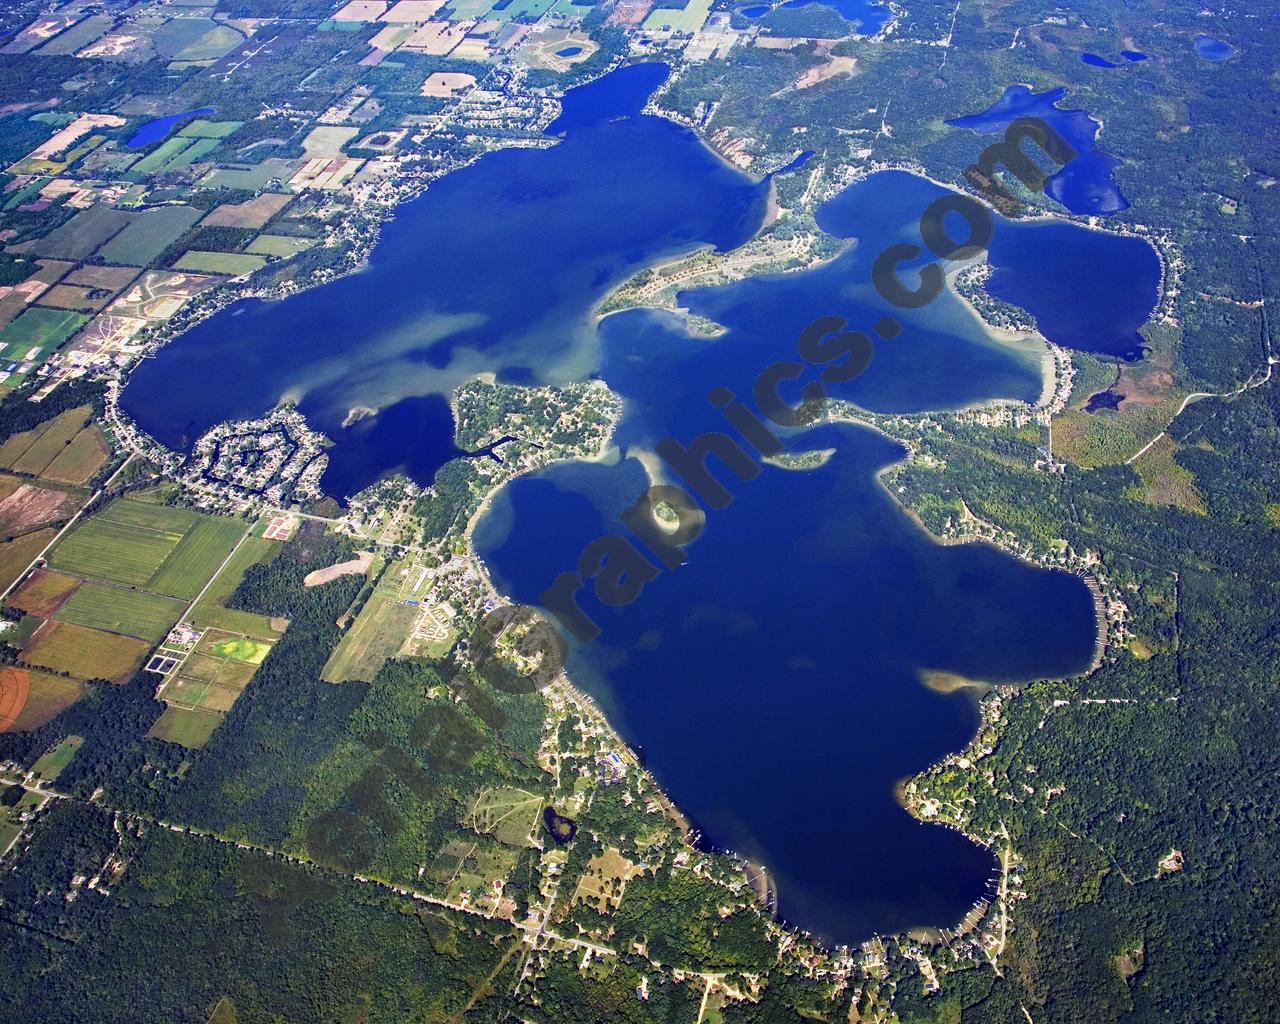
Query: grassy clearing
pixel 604 880
pixel 237 648
pixel 1164 481
pixel 507 814
pixel 230 263
pixel 186 727
pixel 116 610
pixel 84 653
pixel 377 634
pixel 50 764
pixel 279 245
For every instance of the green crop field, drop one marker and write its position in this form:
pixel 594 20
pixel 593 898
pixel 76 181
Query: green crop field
pixel 148 235
pixel 200 148
pixel 202 129
pixel 39 328
pixel 689 19
pixel 164 518
pixel 161 155
pixel 210 613
pixel 197 557
pixel 114 551
pixel 168 551
pixel 116 610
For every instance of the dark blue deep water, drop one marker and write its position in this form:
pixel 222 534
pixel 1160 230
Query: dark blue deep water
pixel 1085 184
pixel 495 268
pixel 774 680
pixel 1093 60
pixel 569 51
pixel 758 11
pixel 869 15
pixel 154 131
pixel 1087 289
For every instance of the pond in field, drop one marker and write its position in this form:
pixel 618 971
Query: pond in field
pixel 1214 49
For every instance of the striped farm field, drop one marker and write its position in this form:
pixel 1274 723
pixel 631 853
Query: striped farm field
pixel 114 551
pixel 116 610
pixel 165 550
pixel 197 557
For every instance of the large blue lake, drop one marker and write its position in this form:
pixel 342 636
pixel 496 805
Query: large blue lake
pixel 775 680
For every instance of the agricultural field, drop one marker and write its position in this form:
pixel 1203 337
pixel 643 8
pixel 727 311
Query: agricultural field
pixel 117 551
pixel 113 279
pixel 81 459
pixel 507 814
pixel 197 557
pixel 28 506
pixel 16 555
pixel 202 129
pixel 78 36
pixel 43 593
pixel 117 610
pixel 84 653
pixel 159 158
pixel 169 551
pixel 210 611
pixel 148 235
pixel 33 451
pixel 76 298
pixel 82 236
pixel 253 213
pixel 37 332
pixel 29 699
pixel 208 683
pixel 185 726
